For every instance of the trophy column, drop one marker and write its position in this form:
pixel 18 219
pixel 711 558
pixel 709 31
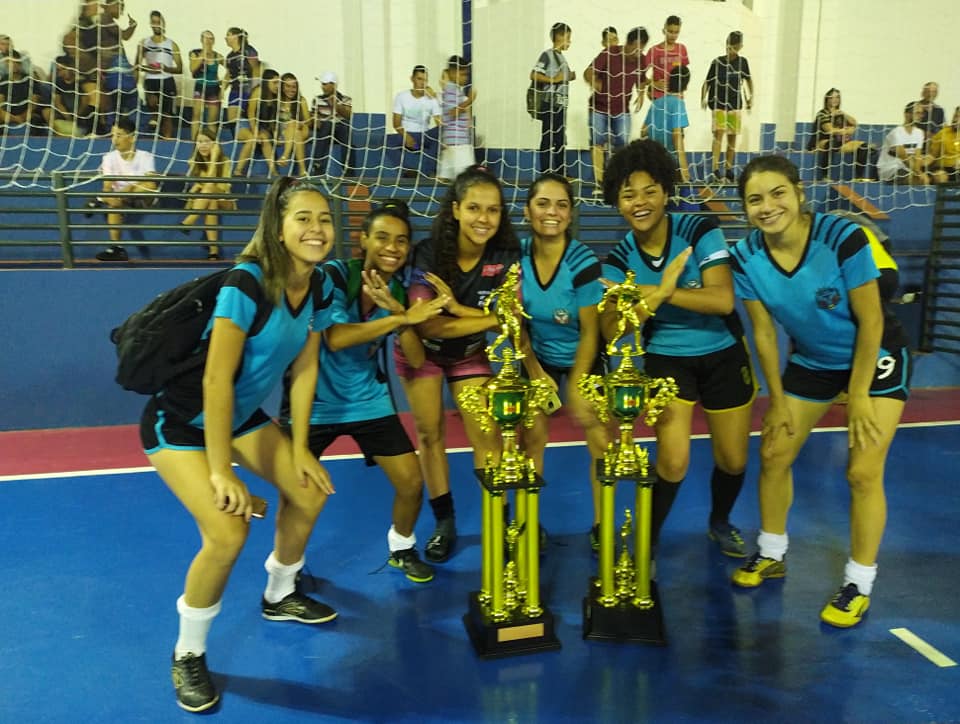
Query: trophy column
pixel 622 603
pixel 506 617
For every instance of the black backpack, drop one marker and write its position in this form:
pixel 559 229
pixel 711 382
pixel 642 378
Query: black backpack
pixel 162 341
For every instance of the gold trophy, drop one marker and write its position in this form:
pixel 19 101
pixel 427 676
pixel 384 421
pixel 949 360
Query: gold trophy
pixel 622 601
pixel 506 616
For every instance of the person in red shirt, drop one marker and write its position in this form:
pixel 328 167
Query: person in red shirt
pixel 663 57
pixel 613 74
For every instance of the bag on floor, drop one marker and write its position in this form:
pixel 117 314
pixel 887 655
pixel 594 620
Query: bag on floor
pixel 162 341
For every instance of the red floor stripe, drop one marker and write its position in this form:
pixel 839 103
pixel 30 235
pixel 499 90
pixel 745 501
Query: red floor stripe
pixel 32 452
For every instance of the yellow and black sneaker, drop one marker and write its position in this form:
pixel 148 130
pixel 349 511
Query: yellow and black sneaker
pixel 846 608
pixel 409 562
pixel 758 569
pixel 192 682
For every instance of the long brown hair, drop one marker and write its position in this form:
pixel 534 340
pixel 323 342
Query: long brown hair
pixel 265 248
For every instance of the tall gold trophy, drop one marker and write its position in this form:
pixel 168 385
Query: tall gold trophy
pixel 506 617
pixel 622 601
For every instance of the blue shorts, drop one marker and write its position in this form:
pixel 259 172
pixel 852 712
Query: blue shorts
pixel 239 96
pixel 607 129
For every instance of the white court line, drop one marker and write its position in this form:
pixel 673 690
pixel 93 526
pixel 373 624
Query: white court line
pixel 358 456
pixel 922 647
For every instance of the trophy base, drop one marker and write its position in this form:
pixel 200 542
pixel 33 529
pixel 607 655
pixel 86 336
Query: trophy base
pixel 624 622
pixel 516 635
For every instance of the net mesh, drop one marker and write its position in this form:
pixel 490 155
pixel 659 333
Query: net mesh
pixel 468 107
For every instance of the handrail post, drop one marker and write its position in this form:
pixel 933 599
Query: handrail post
pixel 63 219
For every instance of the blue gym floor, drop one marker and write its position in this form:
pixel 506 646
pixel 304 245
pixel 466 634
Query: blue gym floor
pixel 94 565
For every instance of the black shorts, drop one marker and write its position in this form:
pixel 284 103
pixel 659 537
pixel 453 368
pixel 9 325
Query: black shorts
pixel 721 380
pixel 559 374
pixel 160 429
pixel 891 379
pixel 381 437
pixel 166 88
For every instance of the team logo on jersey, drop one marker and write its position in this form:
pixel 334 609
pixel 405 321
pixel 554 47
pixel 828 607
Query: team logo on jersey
pixel 828 297
pixel 693 284
pixel 561 316
pixel 491 270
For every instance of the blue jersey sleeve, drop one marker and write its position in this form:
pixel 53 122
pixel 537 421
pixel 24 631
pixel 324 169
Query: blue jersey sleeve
pixel 239 298
pixel 856 260
pixel 323 297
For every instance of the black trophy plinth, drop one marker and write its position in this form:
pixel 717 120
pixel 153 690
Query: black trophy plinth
pixel 518 634
pixel 624 621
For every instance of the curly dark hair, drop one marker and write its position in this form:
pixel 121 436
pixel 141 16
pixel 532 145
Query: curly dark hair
pixel 445 230
pixel 644 155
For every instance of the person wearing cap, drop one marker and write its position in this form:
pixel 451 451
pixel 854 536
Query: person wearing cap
pixel 415 110
pixel 331 114
pixel 456 130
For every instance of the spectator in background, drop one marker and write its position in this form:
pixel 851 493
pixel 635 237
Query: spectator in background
pixel 118 76
pixel 663 57
pixel 833 135
pixel 16 93
pixel 243 73
pixel 330 117
pixel 902 158
pixel 261 123
pixel 69 113
pixel 613 75
pixel 722 93
pixel 205 63
pixel 414 112
pixel 293 117
pixel 80 44
pixel 945 150
pixel 609 37
pixel 8 54
pixel 667 118
pixel 124 160
pixel 208 161
pixel 552 76
pixel 456 131
pixel 158 58
pixel 931 117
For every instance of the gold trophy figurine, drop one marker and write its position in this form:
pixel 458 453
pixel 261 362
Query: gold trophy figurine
pixel 505 616
pixel 613 609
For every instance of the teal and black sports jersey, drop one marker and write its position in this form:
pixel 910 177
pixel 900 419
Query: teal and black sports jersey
pixel 351 386
pixel 268 352
pixel 674 331
pixel 812 302
pixel 554 304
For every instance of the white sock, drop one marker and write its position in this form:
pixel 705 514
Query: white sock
pixel 773 545
pixel 194 626
pixel 399 542
pixel 281 579
pixel 862 575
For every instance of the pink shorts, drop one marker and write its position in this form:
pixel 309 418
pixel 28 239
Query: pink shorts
pixel 474 365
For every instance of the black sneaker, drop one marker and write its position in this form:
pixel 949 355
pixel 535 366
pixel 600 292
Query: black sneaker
pixel 297 607
pixel 113 253
pixel 92 206
pixel 413 568
pixel 441 543
pixel 192 682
